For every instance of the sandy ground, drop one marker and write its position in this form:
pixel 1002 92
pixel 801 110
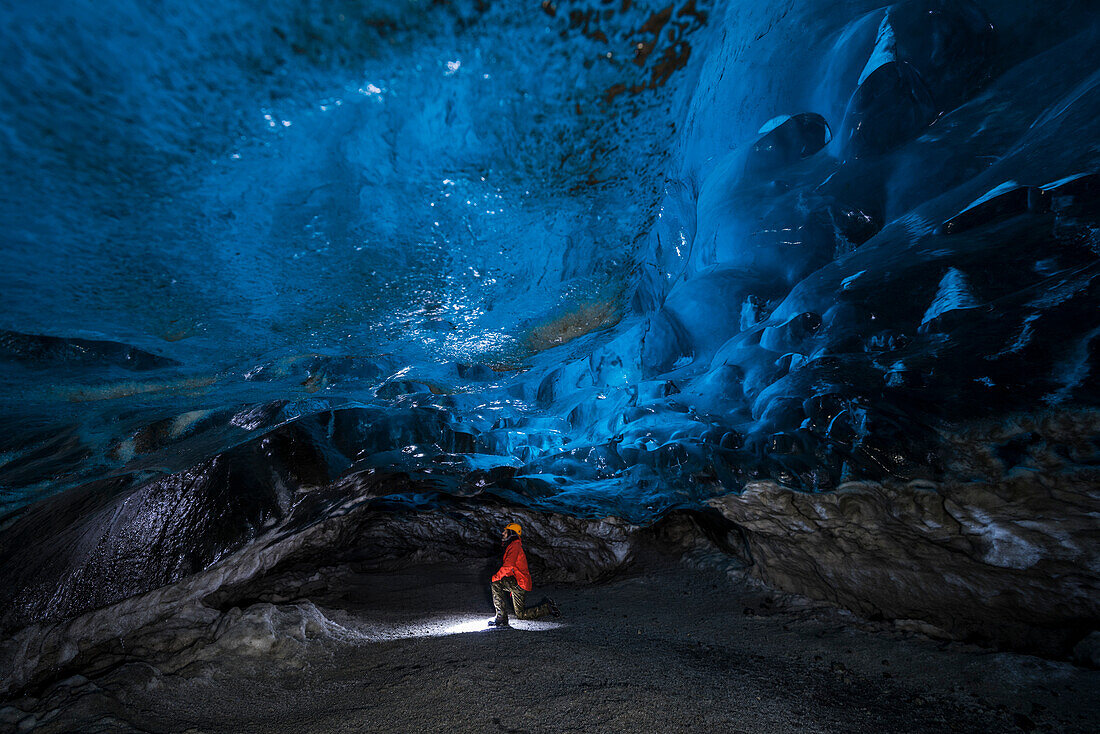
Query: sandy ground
pixel 677 649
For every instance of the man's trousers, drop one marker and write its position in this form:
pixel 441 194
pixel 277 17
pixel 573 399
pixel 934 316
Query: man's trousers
pixel 508 585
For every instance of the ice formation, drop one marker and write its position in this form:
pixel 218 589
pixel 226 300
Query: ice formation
pixel 821 275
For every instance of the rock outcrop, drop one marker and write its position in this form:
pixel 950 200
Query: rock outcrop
pixel 1014 563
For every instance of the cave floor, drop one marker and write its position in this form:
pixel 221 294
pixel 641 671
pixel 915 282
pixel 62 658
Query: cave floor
pixel 676 649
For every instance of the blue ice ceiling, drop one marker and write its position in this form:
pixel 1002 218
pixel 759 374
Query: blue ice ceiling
pixel 231 182
pixel 599 257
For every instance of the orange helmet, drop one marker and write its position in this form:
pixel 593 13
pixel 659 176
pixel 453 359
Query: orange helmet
pixel 514 527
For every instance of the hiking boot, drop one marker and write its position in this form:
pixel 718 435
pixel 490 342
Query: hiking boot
pixel 555 610
pixel 499 621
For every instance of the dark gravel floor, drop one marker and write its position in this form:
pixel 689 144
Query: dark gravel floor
pixel 674 650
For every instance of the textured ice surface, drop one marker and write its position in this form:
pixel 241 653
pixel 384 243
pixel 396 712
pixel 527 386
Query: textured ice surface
pixel 233 185
pixel 589 257
pixel 416 194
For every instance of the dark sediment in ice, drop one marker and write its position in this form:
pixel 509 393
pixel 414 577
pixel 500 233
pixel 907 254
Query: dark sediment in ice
pixel 857 334
pixel 35 349
pixel 355 529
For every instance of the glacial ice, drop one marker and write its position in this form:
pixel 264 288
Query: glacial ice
pixel 589 258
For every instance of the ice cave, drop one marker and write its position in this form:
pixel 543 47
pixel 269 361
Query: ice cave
pixel 774 325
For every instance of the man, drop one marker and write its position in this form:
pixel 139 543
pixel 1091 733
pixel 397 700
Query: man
pixel 514 578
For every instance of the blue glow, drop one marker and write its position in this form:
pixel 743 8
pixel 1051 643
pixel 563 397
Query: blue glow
pixel 598 258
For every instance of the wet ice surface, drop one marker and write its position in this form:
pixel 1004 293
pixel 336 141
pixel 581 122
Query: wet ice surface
pixel 632 275
pixel 359 178
pixel 318 205
pixel 675 650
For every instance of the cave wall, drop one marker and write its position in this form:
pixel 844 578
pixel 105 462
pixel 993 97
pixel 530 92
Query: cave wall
pixel 827 271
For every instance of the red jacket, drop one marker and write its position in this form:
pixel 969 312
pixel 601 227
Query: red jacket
pixel 515 564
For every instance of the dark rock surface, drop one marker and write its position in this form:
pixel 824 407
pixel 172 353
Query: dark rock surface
pixel 361 651
pixel 996 564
